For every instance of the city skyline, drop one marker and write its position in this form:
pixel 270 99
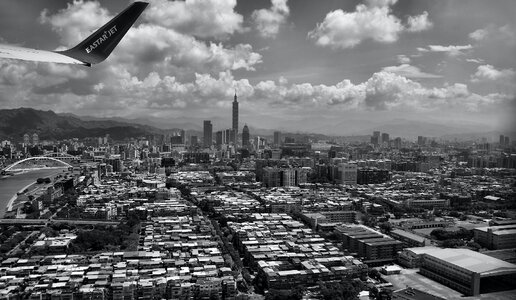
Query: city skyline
pixel 296 65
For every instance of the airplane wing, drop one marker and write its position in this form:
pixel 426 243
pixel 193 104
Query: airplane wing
pixel 94 49
pixel 13 52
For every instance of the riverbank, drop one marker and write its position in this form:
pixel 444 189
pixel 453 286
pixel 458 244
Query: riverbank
pixel 14 197
pixel 11 185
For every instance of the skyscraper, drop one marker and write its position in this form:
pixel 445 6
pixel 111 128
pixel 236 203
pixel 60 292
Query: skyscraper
pixel 385 138
pixel 193 140
pixel 375 139
pixel 208 133
pixel 219 137
pixel 235 118
pixel 245 136
pixel 277 138
pixel 502 139
pixel 228 136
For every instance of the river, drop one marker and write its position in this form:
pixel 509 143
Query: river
pixel 10 185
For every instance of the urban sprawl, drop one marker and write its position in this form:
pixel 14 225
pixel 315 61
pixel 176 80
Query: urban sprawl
pixel 232 215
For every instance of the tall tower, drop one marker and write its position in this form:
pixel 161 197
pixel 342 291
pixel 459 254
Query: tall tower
pixel 245 136
pixel 235 118
pixel 208 133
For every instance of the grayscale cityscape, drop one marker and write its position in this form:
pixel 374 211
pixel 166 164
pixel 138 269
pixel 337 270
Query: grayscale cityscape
pixel 268 149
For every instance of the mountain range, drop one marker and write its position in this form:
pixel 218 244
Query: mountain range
pixel 14 123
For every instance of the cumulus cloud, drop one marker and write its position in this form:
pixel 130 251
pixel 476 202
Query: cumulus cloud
pixel 419 23
pixel 492 32
pixel 269 21
pixel 200 18
pixel 489 73
pixel 345 30
pixel 383 91
pixel 403 59
pixel 450 50
pixel 165 50
pixel 409 71
pixel 373 21
pixel 77 21
pixel 478 34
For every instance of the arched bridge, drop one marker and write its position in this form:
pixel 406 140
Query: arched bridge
pixel 38 163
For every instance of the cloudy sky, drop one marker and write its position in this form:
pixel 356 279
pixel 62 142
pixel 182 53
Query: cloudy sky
pixel 296 64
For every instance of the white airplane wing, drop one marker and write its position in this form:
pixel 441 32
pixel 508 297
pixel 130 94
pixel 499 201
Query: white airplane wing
pixel 94 49
pixel 7 51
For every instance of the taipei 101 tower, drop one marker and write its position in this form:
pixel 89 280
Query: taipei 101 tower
pixel 235 119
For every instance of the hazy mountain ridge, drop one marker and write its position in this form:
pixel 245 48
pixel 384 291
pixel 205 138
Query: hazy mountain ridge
pixel 14 123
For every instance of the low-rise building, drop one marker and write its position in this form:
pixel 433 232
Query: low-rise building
pixel 409 239
pixel 496 237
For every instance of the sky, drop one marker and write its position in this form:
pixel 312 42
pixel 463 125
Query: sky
pixel 323 66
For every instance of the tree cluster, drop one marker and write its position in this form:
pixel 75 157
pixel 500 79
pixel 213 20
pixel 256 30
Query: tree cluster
pixel 108 237
pixel 461 234
pixel 343 290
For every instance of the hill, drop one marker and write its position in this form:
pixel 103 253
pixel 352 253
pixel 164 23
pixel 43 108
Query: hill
pixel 14 123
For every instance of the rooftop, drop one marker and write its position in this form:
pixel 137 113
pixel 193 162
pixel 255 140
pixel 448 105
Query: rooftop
pixel 473 261
pixel 409 235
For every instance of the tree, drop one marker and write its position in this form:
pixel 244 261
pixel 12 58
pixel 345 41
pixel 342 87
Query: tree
pixel 474 245
pixel 386 227
pixel 452 243
pixel 274 294
pixel 373 273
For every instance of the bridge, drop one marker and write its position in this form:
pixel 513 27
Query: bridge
pixel 46 161
pixel 45 222
pixel 61 156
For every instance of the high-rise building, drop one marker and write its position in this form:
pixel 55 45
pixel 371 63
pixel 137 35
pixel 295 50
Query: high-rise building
pixel 502 139
pixel 258 142
pixel 235 119
pixel 208 133
pixel 35 139
pixel 397 143
pixel 421 140
pixel 245 136
pixel 178 138
pixel 507 141
pixel 385 138
pixel 228 136
pixel 375 139
pixel 26 139
pixel 277 138
pixel 219 137
pixel 194 140
pixel 349 173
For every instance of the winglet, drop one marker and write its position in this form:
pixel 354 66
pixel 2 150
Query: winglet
pixel 101 43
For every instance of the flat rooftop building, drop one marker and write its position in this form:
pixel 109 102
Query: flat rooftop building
pixel 409 239
pixel 374 247
pixel 496 237
pixel 467 271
